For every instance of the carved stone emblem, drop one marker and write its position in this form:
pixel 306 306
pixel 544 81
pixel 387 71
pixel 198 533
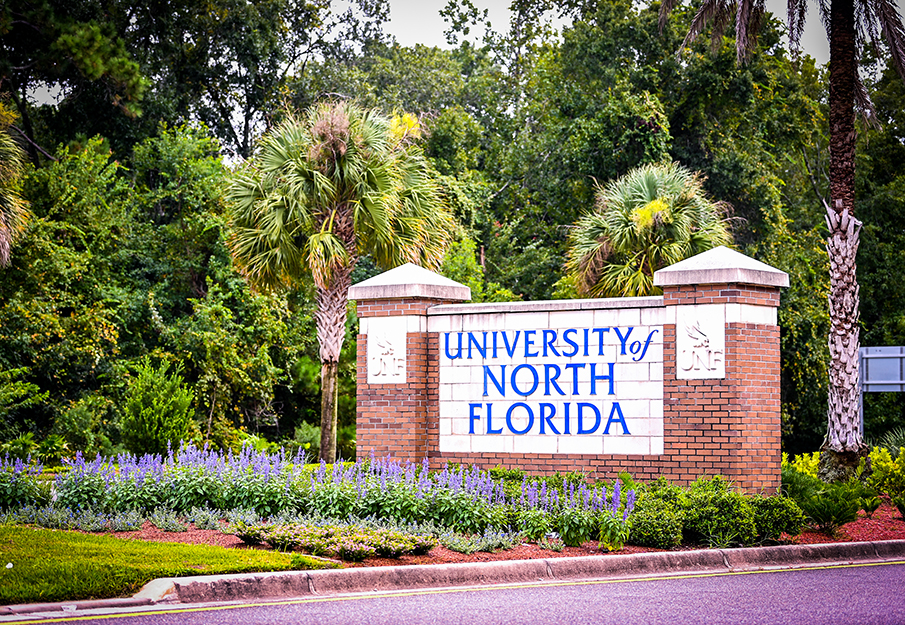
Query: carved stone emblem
pixel 386 351
pixel 700 344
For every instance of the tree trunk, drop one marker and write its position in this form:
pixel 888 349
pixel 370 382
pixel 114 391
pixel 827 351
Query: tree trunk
pixel 843 446
pixel 329 398
pixel 331 331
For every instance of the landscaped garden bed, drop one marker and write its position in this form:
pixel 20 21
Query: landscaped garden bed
pixel 380 512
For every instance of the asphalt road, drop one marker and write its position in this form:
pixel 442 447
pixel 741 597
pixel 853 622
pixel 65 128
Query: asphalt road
pixel 850 595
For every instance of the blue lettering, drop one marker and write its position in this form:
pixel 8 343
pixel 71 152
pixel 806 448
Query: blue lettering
pixel 566 429
pixel 617 409
pixel 607 376
pixel 575 366
pixel 490 429
pixel 587 340
pixel 510 349
pixel 599 332
pixel 494 344
pixel 623 339
pixel 548 418
pixel 551 379
pixel 509 418
pixel 499 384
pixel 565 337
pixel 473 416
pixel 650 337
pixel 459 352
pixel 482 349
pixel 533 375
pixel 581 428
pixel 549 338
pixel 529 341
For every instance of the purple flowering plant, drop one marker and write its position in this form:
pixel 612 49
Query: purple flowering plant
pixel 466 499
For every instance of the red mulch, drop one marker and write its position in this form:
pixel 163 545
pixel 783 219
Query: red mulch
pixel 886 524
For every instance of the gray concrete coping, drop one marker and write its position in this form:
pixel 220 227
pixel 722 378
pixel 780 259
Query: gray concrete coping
pixel 409 281
pixel 721 265
pixel 547 306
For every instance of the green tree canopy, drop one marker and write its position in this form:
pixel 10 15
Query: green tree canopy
pixel 321 191
pixel 652 217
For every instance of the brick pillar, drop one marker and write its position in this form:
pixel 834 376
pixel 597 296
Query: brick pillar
pixel 397 367
pixel 721 368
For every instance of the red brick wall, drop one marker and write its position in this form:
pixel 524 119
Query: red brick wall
pixel 729 426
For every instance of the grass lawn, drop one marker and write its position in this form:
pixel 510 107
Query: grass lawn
pixel 57 565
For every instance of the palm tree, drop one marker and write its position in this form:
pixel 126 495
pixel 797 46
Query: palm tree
pixel 321 191
pixel 653 216
pixel 850 24
pixel 13 209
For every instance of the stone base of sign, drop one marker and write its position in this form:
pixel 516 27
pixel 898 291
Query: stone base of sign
pixel 727 424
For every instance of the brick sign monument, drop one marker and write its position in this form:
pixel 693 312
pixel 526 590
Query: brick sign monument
pixel 681 385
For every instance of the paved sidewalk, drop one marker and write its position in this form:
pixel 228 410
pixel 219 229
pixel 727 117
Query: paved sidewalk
pixel 256 586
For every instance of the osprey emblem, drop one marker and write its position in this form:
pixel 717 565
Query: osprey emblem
pixel 699 354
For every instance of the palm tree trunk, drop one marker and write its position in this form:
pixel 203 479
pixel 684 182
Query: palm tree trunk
pixel 843 446
pixel 331 330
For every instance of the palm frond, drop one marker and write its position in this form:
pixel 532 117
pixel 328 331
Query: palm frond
pixel 13 208
pixel 884 12
pixel 796 16
pixel 654 216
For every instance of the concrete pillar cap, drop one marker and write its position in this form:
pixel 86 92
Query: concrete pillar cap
pixel 409 281
pixel 721 265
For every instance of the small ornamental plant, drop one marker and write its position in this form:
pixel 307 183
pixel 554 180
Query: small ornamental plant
pixel 19 484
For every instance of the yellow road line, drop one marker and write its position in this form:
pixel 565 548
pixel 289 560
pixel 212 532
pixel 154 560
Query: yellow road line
pixel 427 592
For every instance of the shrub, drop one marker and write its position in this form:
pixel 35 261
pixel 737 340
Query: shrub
pixel 534 523
pixel 84 485
pixel 127 521
pixel 655 523
pixel 774 516
pixel 166 520
pixel 91 521
pixel 204 518
pixel 157 411
pixel 307 438
pixel 576 526
pixel 52 449
pixel 869 505
pixel 250 532
pixel 804 463
pixel 831 508
pixel 22 448
pixel 799 486
pixel 347 542
pixel 899 503
pixel 19 484
pixel 87 425
pixel 718 516
pixel 888 474
pixel 490 541
pixel 893 441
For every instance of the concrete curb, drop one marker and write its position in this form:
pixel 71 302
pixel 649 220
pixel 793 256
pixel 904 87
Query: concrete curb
pixel 263 586
pixel 338 581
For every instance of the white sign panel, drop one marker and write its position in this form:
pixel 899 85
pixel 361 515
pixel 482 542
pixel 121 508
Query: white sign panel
pixel 700 342
pixel 386 350
pixel 582 382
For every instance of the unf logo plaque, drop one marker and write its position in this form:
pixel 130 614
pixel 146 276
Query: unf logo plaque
pixel 700 344
pixel 386 350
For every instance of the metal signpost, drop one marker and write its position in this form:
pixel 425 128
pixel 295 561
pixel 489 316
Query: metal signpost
pixel 882 370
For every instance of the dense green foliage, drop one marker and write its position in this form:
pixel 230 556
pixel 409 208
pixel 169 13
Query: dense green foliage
pixel 123 252
pixel 156 410
pixel 710 512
